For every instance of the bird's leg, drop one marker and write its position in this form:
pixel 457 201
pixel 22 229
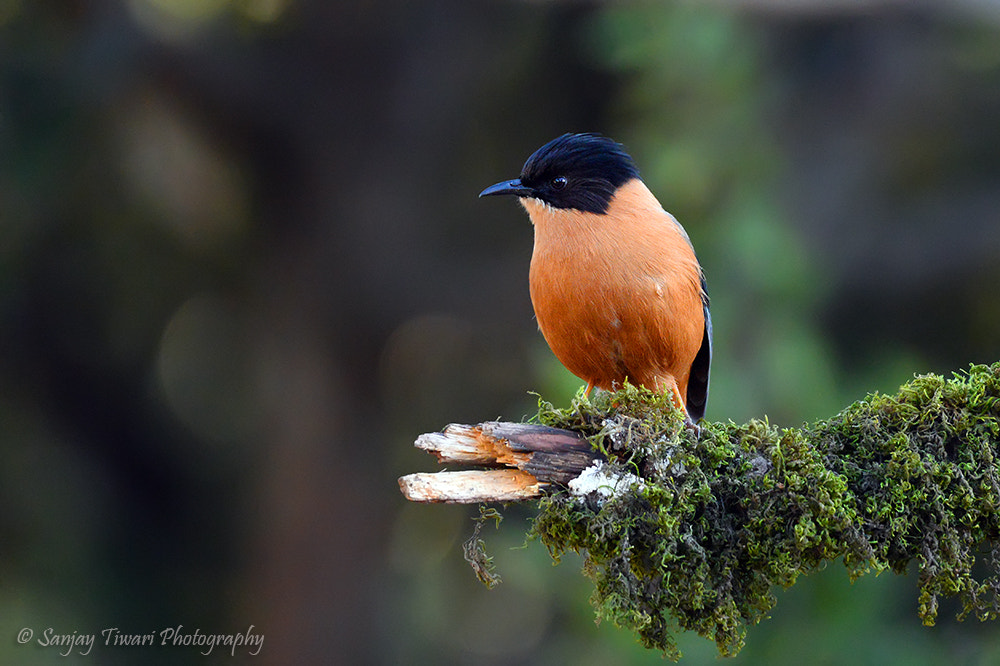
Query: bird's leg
pixel 675 393
pixel 678 400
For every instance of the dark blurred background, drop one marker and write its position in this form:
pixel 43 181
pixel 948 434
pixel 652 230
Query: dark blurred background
pixel 243 265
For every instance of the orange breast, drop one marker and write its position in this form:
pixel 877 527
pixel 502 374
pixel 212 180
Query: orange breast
pixel 618 296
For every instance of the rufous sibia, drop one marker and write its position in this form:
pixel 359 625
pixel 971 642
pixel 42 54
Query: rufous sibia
pixel 617 290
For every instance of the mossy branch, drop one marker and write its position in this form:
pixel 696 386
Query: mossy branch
pixel 693 531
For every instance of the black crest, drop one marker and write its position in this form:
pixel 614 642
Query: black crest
pixel 580 171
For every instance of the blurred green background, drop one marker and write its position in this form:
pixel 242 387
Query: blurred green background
pixel 243 265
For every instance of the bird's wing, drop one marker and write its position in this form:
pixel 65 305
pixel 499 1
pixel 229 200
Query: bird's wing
pixel 697 389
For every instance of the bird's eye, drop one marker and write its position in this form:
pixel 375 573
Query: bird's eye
pixel 558 182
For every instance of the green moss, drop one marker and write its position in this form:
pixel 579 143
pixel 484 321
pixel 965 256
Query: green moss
pixel 474 548
pixel 725 516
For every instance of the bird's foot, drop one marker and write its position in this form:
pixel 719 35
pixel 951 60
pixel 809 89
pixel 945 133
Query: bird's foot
pixel 692 426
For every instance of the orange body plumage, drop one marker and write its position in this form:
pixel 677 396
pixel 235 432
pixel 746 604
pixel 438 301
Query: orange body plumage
pixel 617 290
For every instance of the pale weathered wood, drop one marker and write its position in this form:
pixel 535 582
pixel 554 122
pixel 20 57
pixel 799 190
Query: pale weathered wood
pixel 455 445
pixel 470 486
pixel 469 445
pixel 540 455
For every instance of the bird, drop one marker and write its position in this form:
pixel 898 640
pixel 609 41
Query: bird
pixel 617 290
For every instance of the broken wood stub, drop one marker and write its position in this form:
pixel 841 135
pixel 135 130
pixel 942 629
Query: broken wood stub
pixel 523 458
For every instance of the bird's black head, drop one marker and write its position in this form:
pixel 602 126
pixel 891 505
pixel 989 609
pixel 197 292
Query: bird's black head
pixel 578 171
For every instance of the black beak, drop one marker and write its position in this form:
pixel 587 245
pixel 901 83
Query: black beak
pixel 508 187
